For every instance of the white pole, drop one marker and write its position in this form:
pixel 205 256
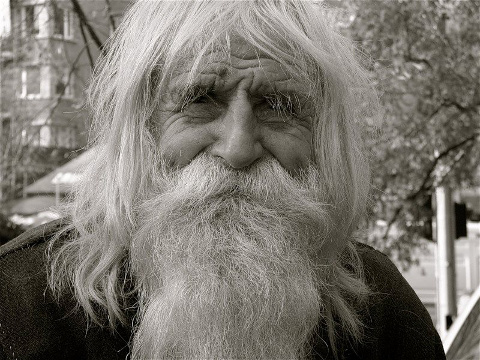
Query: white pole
pixel 468 274
pixel 447 307
pixel 474 268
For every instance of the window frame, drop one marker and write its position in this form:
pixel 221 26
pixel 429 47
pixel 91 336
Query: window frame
pixel 67 22
pixel 24 76
pixel 26 32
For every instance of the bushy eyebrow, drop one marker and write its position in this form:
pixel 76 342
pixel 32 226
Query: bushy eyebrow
pixel 290 102
pixel 185 90
pixel 188 91
pixel 192 90
pixel 211 80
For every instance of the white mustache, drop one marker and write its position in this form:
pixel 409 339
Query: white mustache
pixel 207 180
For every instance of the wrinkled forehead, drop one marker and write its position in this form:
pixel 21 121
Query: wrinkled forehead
pixel 233 53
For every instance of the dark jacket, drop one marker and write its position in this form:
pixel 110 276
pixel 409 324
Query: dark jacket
pixel 34 326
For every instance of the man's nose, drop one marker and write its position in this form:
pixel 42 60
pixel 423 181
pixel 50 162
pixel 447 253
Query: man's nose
pixel 239 135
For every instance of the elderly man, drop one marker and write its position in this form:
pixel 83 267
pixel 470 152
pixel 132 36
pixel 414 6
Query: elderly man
pixel 218 218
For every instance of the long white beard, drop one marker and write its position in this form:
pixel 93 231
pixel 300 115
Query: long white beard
pixel 227 263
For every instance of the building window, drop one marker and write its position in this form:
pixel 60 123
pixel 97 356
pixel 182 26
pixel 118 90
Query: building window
pixel 38 136
pixel 31 136
pixel 62 22
pixel 48 136
pixel 60 87
pixel 6 128
pixel 59 15
pixel 31 21
pixel 68 24
pixel 45 136
pixel 31 80
pixel 64 84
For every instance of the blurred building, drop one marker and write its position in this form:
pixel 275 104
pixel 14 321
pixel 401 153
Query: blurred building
pixel 45 64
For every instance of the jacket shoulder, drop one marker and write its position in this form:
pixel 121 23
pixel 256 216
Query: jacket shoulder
pixel 35 324
pixel 31 322
pixel 382 274
pixel 32 237
pixel 397 323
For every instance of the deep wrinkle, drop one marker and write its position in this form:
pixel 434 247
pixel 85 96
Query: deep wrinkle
pixel 267 77
pixel 240 108
pixel 281 94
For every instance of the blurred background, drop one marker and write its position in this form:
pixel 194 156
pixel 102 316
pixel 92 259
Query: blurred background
pixel 424 57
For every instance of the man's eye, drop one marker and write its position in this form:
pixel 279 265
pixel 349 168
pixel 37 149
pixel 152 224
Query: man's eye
pixel 197 96
pixel 282 105
pixel 202 99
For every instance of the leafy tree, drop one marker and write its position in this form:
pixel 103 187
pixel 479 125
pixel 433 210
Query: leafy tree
pixel 427 66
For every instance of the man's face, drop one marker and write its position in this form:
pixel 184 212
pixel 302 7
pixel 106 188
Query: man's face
pixel 241 108
pixel 228 261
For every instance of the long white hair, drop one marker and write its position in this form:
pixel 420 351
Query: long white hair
pixel 155 39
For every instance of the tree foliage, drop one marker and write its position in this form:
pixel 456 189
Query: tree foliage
pixel 427 67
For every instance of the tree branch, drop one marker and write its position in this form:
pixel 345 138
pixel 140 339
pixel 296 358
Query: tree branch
pixel 89 54
pixel 432 167
pixel 83 20
pixel 392 221
pixel 408 56
pixel 460 107
pixel 446 103
pixel 110 17
pixel 423 186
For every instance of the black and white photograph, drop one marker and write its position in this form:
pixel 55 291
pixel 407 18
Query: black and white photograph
pixel 240 179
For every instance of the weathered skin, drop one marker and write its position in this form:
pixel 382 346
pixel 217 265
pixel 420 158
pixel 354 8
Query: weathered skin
pixel 233 115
